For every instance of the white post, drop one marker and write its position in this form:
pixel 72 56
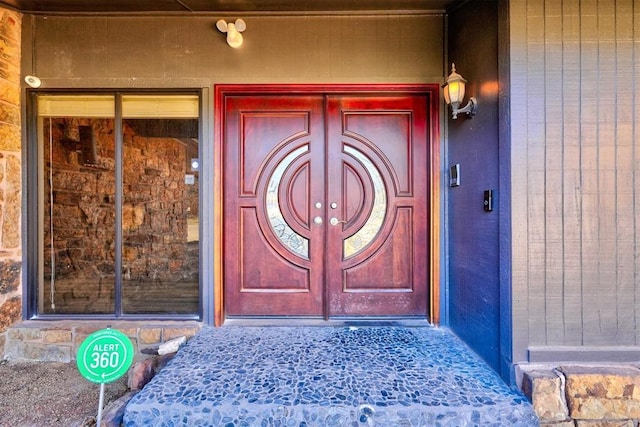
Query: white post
pixel 100 403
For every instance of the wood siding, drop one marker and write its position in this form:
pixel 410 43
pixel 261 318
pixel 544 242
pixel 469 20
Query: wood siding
pixel 575 153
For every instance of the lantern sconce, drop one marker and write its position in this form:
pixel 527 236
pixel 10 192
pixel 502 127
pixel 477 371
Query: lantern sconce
pixel 454 95
pixel 233 30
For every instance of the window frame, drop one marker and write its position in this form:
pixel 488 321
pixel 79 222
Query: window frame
pixel 33 225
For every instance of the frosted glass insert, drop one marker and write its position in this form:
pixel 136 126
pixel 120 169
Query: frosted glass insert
pixel 363 237
pixel 289 238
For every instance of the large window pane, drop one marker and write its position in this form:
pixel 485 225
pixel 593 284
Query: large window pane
pixel 160 216
pixel 118 212
pixel 77 215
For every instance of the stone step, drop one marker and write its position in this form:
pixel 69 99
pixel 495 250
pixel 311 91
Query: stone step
pixel 585 395
pixel 327 376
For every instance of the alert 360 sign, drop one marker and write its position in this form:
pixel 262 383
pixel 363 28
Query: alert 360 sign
pixel 104 356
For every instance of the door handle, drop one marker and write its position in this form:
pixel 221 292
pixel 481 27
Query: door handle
pixel 336 221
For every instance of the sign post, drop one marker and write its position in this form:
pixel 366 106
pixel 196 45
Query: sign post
pixel 103 357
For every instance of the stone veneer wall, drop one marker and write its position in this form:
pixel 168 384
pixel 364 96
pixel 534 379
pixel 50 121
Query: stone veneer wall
pixel 58 341
pixel 585 396
pixel 10 172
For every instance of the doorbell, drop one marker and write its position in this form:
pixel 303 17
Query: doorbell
pixel 454 175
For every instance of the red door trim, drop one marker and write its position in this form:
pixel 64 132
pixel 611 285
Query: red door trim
pixel 433 93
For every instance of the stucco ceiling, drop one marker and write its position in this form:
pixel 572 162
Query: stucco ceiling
pixel 142 6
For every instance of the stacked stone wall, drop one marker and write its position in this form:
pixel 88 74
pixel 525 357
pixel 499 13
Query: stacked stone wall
pixel 585 396
pixel 10 173
pixel 82 214
pixel 156 210
pixel 58 341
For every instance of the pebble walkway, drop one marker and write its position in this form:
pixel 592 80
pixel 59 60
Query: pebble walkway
pixel 327 376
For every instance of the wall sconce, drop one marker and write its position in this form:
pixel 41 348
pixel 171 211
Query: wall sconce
pixel 454 95
pixel 233 30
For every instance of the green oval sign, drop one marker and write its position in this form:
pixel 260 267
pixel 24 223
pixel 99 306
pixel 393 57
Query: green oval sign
pixel 105 356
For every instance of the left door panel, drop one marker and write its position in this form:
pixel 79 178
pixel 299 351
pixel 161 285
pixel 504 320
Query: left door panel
pixel 274 205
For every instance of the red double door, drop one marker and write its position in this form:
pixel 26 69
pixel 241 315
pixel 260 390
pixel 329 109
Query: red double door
pixel 325 206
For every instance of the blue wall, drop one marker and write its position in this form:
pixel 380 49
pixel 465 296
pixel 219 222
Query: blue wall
pixel 475 274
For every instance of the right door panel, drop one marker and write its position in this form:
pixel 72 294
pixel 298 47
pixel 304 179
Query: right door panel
pixel 377 235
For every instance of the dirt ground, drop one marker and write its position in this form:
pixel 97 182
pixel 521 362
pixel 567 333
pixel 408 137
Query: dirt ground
pixel 50 394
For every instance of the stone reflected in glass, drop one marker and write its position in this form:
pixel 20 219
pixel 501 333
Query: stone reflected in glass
pixel 79 182
pixel 294 242
pixel 160 216
pixel 363 237
pixel 77 274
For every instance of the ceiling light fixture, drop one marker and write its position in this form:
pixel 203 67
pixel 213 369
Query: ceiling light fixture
pixel 32 81
pixel 233 30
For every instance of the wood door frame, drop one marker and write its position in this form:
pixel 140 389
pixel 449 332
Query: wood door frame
pixel 432 91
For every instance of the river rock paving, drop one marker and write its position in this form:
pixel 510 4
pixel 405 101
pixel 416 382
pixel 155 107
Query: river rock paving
pixel 327 376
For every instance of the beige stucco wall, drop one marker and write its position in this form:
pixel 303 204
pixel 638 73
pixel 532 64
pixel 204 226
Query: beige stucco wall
pixel 575 152
pixel 10 171
pixel 187 51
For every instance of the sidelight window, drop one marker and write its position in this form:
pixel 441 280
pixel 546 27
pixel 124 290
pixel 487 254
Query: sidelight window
pixel 117 205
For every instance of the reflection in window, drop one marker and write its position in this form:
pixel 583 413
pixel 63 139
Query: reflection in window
pixel 290 239
pixel 160 216
pixel 158 213
pixel 78 212
pixel 367 234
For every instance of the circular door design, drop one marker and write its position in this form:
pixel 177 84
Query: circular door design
pixel 367 233
pixel 292 241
